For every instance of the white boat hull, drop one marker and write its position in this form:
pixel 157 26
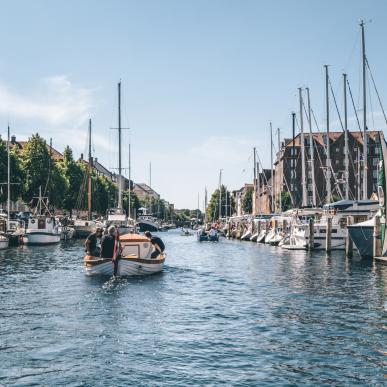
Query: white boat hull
pixel 38 238
pixel 4 243
pixel 126 267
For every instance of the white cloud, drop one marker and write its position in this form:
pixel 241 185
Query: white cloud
pixel 55 102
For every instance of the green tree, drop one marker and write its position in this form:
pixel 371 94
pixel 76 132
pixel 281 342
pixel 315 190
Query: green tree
pixel 35 164
pixel 134 202
pixel 247 202
pixel 213 205
pixel 74 177
pixel 286 200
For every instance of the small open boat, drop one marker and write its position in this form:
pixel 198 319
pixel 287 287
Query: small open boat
pixel 135 259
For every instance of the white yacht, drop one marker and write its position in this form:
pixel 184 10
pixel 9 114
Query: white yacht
pixel 147 222
pixel 360 210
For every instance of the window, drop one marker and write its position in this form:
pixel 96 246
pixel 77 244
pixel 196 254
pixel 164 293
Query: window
pixel 375 174
pixel 377 150
pixel 334 231
pixel 293 151
pixel 293 174
pixel 293 163
pixel 375 161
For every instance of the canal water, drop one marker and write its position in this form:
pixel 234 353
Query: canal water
pixel 232 313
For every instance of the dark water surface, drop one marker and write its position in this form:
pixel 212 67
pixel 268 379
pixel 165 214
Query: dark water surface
pixel 232 313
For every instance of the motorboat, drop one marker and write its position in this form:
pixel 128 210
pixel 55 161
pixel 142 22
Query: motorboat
pixel 203 236
pixel 297 239
pixel 359 210
pixel 147 222
pixel 135 259
pixel 82 228
pixel 4 241
pixel 116 217
pixel 66 232
pixel 42 227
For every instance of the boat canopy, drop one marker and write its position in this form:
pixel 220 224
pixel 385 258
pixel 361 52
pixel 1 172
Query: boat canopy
pixel 344 204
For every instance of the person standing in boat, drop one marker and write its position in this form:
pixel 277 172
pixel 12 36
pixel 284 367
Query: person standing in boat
pixel 91 242
pixel 157 243
pixel 110 244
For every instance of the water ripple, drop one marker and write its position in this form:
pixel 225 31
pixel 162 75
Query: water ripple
pixel 230 313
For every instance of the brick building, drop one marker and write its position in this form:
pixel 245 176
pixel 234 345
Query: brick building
pixel 288 166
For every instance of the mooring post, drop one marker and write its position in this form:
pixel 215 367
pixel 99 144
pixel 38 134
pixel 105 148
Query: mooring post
pixel 311 234
pixel 328 240
pixel 348 240
pixel 377 237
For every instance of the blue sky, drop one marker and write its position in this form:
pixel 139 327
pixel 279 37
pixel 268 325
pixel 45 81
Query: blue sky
pixel 201 79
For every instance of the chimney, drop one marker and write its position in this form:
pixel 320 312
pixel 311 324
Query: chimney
pixel 13 139
pixel 81 156
pixel 96 159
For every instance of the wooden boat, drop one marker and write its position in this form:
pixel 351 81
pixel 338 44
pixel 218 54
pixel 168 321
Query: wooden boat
pixel 135 260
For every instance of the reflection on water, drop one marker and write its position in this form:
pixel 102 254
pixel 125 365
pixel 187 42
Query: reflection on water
pixel 237 313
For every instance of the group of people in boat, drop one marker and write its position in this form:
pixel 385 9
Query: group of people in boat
pixel 110 246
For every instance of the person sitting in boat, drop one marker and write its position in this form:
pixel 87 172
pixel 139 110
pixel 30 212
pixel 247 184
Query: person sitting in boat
pixel 157 243
pixel 109 244
pixel 213 232
pixel 91 242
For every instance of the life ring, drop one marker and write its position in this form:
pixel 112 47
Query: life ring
pixel 32 221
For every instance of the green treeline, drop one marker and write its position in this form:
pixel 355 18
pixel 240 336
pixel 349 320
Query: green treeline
pixel 64 182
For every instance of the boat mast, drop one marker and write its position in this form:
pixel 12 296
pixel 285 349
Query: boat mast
pixel 119 148
pixel 255 181
pixel 225 191
pixel 205 204
pixel 89 176
pixel 346 158
pixel 365 140
pixel 304 196
pixel 272 209
pixel 279 177
pixel 8 179
pixel 130 185
pixel 220 194
pixel 293 159
pixel 328 161
pixel 311 145
pixel 259 189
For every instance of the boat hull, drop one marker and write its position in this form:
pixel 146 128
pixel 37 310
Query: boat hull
pixel 4 243
pixel 145 226
pixel 40 238
pixel 127 266
pixel 363 239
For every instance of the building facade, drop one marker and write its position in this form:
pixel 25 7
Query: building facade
pixel 288 167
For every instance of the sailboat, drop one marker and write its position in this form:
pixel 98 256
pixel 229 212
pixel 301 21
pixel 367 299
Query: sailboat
pixel 116 216
pixel 83 227
pixel 42 228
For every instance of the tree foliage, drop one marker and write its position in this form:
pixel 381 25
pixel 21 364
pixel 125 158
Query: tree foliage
pixel 247 202
pixel 213 205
